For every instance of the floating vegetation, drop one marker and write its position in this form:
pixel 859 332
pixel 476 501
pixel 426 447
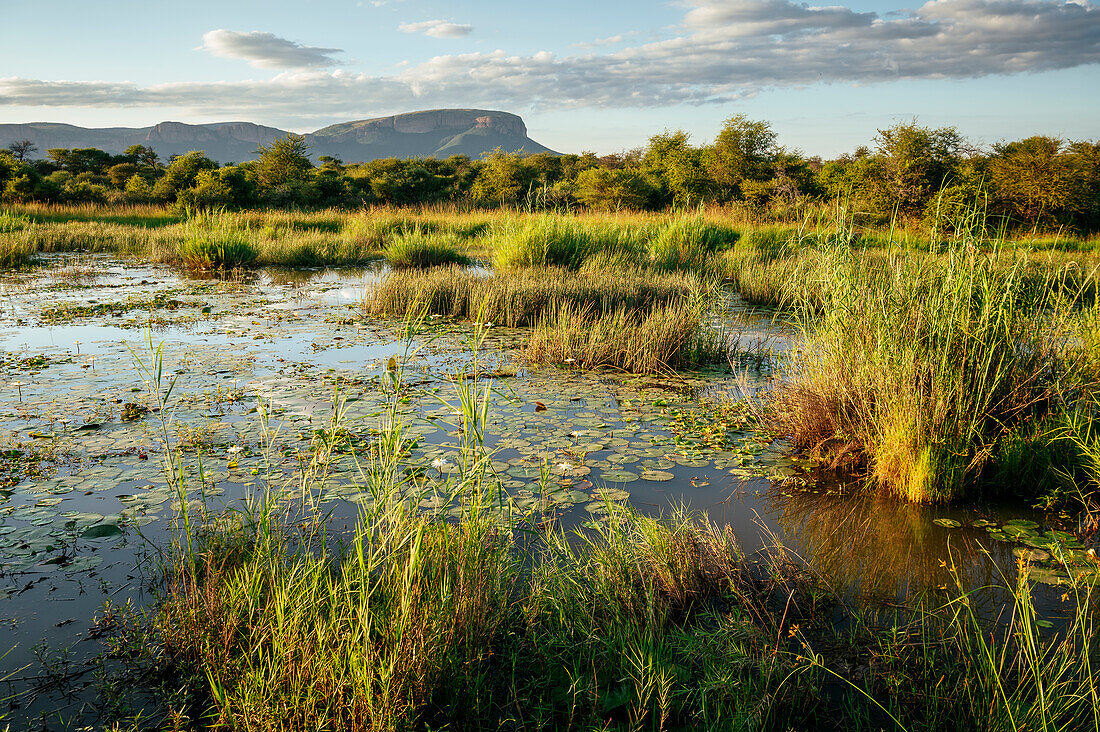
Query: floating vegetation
pixel 68 312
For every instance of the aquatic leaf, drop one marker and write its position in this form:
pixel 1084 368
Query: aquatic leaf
pixel 619 476
pixel 101 531
pixel 947 523
pixel 657 475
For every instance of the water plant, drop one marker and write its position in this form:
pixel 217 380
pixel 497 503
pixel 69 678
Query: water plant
pixel 917 366
pixel 212 242
pixel 420 249
pixel 663 338
pixel 520 298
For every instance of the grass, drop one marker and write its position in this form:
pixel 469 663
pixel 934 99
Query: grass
pixel 657 340
pixel 497 619
pixel 688 242
pixel 16 245
pixel 211 243
pixel 917 367
pixel 521 298
pixel 557 241
pixel 419 249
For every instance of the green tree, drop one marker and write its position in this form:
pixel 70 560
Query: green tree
pixel 612 189
pixel 504 178
pixel 677 168
pixel 138 190
pixel 744 150
pixel 1032 179
pixel 182 173
pixel 143 155
pixel 121 173
pixel 283 161
pixel 912 163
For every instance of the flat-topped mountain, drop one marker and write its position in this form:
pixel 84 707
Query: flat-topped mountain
pixel 434 133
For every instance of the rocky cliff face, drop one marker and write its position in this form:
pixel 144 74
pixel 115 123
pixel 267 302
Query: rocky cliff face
pixel 176 132
pixel 436 120
pixel 431 133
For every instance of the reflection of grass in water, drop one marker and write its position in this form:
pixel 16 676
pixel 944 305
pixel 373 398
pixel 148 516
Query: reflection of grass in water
pixel 883 547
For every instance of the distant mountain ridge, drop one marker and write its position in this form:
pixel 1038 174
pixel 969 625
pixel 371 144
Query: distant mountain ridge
pixel 432 133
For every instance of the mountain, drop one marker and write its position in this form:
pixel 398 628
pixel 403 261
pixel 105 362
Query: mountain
pixel 434 133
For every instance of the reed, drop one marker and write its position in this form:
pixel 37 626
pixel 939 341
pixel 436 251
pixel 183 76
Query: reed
pixel 521 298
pixel 916 366
pixel 419 249
pixel 211 242
pixel 661 339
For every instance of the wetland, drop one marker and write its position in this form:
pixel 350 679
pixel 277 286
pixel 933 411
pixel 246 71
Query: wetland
pixel 172 435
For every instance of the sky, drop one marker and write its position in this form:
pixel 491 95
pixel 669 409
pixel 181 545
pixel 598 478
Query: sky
pixel 584 74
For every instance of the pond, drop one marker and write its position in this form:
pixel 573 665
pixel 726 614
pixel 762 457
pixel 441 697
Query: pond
pixel 85 507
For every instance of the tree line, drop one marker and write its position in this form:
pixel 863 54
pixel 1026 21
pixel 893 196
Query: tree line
pixel 908 171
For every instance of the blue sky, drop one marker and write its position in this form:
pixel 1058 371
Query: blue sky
pixel 584 75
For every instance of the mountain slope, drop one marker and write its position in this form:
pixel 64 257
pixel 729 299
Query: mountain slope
pixel 432 133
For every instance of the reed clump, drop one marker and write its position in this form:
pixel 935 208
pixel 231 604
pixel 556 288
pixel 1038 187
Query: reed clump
pixel 211 242
pixel 419 249
pixel 688 242
pixel 557 241
pixel 915 367
pixel 521 298
pixel 663 338
pixel 17 243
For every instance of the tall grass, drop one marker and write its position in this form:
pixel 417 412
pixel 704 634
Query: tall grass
pixel 16 241
pixel 657 340
pixel 521 298
pixel 421 249
pixel 917 366
pixel 688 242
pixel 558 241
pixel 211 242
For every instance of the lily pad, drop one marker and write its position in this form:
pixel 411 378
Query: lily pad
pixel 101 531
pixel 619 476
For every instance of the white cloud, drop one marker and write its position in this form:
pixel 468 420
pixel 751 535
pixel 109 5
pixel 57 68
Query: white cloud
pixel 726 49
pixel 266 50
pixel 437 28
pixel 609 41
